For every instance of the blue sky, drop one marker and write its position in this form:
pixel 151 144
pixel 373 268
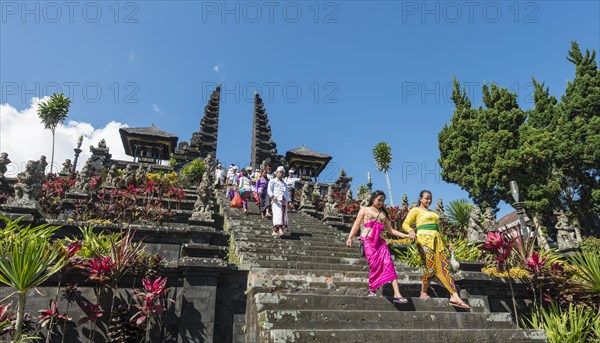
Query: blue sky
pixel 337 76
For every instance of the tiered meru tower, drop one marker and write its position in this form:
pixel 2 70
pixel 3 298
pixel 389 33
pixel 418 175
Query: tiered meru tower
pixel 263 148
pixel 203 142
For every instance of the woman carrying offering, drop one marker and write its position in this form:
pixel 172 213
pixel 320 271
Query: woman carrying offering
pixel 374 219
pixel 431 247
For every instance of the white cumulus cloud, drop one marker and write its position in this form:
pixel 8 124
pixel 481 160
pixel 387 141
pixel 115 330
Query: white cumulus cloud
pixel 155 108
pixel 24 138
pixel 218 68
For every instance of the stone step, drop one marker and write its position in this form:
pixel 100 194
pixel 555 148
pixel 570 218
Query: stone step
pixel 404 273
pixel 203 250
pixel 295 301
pixel 291 234
pixel 301 246
pixel 284 250
pixel 267 240
pixel 308 265
pixel 425 335
pixel 246 256
pixel 376 319
pixel 314 231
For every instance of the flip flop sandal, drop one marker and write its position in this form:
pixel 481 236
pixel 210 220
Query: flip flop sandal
pixel 400 300
pixel 372 294
pixel 461 304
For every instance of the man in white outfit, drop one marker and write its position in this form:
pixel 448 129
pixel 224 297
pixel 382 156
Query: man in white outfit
pixel 278 192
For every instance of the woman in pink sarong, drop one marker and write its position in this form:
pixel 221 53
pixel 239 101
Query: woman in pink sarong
pixel 374 220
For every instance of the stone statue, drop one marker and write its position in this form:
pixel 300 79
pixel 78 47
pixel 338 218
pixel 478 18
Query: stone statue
pixel 316 194
pixel 112 178
pixel 42 164
pixel 305 200
pixel 365 199
pixel 489 220
pixel 66 167
pixel 414 204
pixel 140 174
pixel 404 202
pixel 565 233
pixel 26 185
pixel 349 197
pixel 210 164
pixel 129 176
pixel 100 156
pixel 203 205
pixel 475 231
pixel 4 161
pixel 439 207
pixel 330 209
pixel 84 177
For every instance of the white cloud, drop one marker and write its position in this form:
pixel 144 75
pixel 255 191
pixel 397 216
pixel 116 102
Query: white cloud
pixel 155 108
pixel 24 138
pixel 218 68
pixel 132 59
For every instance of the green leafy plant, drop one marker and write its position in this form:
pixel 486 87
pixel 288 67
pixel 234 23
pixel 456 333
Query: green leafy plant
pixel 458 213
pixel 590 244
pixel 191 174
pixel 571 325
pixel 409 256
pixel 26 263
pixel 588 271
pixel 463 251
pixel 382 153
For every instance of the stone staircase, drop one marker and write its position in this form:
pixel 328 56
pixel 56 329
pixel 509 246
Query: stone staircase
pixel 309 287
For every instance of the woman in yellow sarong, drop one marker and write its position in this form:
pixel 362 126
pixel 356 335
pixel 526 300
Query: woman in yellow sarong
pixel 432 249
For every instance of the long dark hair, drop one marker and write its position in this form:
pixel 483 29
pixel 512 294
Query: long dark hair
pixel 374 196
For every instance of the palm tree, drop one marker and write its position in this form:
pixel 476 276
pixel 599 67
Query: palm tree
pixel 27 259
pixel 54 112
pixel 382 153
pixel 459 212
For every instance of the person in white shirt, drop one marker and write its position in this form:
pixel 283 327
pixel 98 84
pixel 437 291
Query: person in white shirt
pixel 279 195
pixel 232 181
pixel 290 181
pixel 219 176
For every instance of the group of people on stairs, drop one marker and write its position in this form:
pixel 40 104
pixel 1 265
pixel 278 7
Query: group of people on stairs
pixel 272 191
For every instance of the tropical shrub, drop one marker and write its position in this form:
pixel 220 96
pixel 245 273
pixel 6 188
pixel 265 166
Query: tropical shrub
pixel 571 325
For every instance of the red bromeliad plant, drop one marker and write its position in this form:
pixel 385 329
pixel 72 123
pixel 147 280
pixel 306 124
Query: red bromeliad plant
pixel 50 316
pixel 6 320
pixel 100 268
pixel 500 246
pixel 150 302
pixel 53 191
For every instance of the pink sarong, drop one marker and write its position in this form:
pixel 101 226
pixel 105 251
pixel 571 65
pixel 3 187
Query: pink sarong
pixel 381 266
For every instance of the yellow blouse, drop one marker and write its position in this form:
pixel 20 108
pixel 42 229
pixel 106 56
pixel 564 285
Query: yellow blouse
pixel 426 238
pixel 419 217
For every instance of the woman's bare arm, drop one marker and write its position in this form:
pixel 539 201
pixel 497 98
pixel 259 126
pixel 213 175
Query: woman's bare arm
pixel 359 219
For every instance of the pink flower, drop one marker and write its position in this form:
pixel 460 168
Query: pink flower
pixel 535 263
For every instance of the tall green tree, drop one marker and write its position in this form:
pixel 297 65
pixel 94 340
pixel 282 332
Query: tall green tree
pixel 382 153
pixel 552 151
pixel 476 148
pixel 54 112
